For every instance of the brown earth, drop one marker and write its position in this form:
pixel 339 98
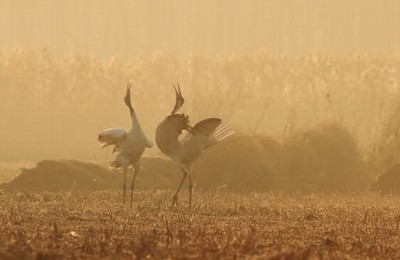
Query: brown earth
pixel 66 175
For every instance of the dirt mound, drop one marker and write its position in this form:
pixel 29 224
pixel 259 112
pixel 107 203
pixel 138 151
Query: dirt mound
pixel 322 159
pixel 64 175
pixel 325 158
pixel 388 182
pixel 61 175
pixel 242 162
pixel 158 173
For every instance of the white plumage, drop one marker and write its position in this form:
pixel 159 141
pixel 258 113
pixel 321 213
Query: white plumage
pixel 184 150
pixel 112 136
pixel 129 145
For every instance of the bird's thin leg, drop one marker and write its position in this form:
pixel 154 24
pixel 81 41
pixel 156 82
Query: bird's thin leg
pixel 175 200
pixel 124 185
pixel 136 170
pixel 190 189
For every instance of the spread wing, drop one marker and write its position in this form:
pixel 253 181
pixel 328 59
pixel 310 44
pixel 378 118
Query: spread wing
pixel 203 135
pixel 111 136
pixel 212 131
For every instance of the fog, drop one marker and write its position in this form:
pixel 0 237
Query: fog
pixel 267 67
pixel 126 29
pixel 311 89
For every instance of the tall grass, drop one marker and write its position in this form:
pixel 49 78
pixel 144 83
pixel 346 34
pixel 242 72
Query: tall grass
pixel 54 106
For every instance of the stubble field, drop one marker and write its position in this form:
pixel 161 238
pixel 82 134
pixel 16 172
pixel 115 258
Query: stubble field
pixel 220 225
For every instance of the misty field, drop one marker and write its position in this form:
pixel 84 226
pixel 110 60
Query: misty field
pixel 52 104
pixel 221 225
pixel 305 126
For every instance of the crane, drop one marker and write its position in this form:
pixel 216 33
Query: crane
pixel 183 143
pixel 129 145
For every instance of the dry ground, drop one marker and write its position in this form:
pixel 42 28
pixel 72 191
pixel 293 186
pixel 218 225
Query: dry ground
pixel 221 225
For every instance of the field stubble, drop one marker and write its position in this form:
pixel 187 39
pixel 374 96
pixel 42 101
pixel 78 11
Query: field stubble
pixel 221 225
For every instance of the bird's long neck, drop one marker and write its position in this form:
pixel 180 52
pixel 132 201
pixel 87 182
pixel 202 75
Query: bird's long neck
pixel 134 119
pixel 135 123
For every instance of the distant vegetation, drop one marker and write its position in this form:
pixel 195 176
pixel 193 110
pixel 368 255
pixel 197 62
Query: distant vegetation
pixel 54 106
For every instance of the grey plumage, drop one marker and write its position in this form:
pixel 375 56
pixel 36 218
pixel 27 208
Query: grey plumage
pixel 184 143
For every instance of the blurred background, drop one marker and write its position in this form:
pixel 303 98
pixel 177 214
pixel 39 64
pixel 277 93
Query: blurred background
pixel 269 68
pixel 127 28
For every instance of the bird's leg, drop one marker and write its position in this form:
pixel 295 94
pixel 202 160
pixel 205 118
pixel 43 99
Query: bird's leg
pixel 190 189
pixel 124 185
pixel 175 200
pixel 189 171
pixel 136 170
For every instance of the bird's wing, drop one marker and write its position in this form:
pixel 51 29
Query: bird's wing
pixel 179 100
pixel 168 132
pixel 211 130
pixel 111 136
pixel 206 127
pixel 203 135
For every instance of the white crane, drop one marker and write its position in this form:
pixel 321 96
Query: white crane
pixel 184 150
pixel 128 145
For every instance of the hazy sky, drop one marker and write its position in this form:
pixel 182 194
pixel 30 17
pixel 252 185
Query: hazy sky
pixel 125 29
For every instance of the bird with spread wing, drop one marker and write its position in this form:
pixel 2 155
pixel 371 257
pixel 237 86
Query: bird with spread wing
pixel 183 143
pixel 129 145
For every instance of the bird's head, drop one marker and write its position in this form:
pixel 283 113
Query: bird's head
pixel 179 100
pixel 127 98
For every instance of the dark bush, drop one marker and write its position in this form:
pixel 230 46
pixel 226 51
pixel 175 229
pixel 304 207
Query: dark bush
pixel 325 159
pixel 389 181
pixel 242 162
